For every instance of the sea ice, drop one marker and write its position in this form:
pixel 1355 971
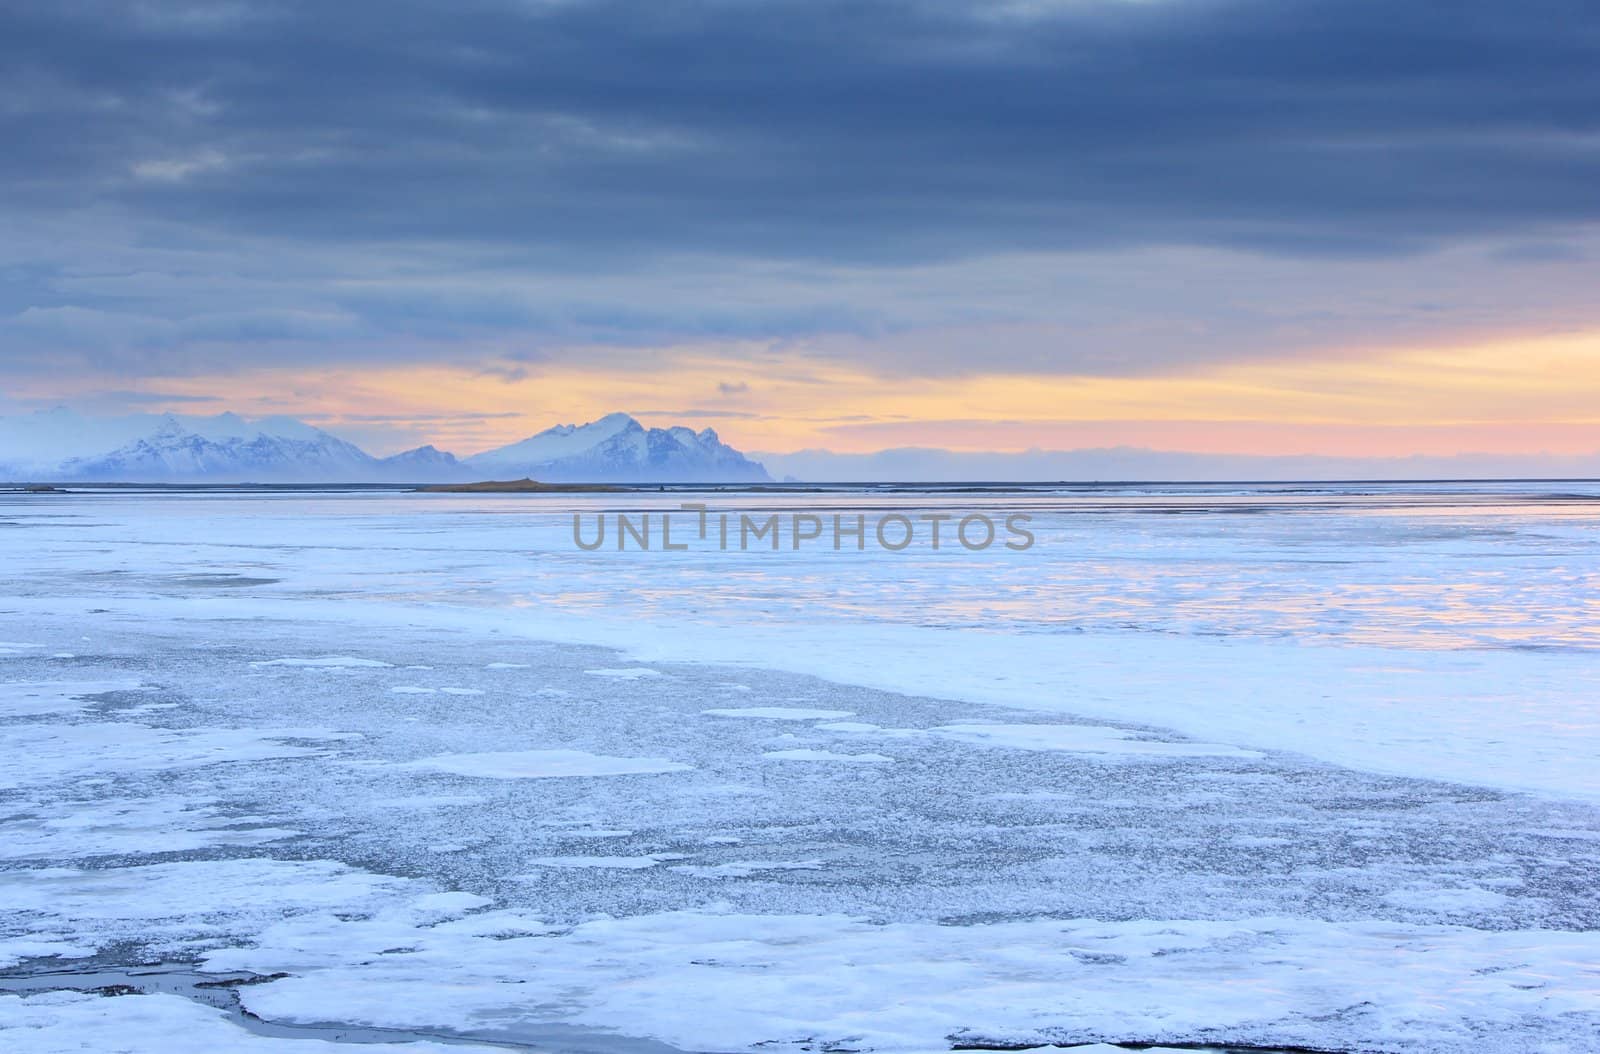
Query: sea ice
pixel 998 885
pixel 542 764
pixel 29 698
pixel 1087 739
pixel 56 752
pixel 329 662
pixel 623 863
pixel 167 824
pixel 805 754
pixel 746 868
pixel 729 981
pixel 73 1022
pixel 776 713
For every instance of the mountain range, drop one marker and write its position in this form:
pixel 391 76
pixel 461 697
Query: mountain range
pixel 59 445
pixel 63 446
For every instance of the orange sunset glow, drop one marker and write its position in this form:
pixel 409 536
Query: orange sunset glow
pixel 1511 396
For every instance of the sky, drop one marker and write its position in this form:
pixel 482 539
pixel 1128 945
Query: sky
pixel 1324 227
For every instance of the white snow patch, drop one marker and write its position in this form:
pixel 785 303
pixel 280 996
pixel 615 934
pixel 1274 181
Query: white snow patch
pixel 746 868
pixel 1448 901
pixel 67 829
pixel 176 907
pixel 777 713
pixel 31 698
pixel 13 951
pixel 727 981
pixel 1083 739
pixel 805 754
pixel 73 1022
pixel 455 902
pixel 544 764
pixel 622 863
pixel 57 752
pixel 329 662
pixel 631 673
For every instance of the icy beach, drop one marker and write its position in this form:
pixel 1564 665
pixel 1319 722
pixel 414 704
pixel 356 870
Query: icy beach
pixel 1273 767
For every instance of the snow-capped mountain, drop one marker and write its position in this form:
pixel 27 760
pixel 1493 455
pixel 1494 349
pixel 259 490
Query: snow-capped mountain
pixel 617 449
pixel 168 448
pixel 173 452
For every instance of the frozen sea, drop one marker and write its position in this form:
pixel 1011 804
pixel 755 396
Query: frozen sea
pixel 1269 767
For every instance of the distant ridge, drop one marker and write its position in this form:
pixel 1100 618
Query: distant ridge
pixel 1140 464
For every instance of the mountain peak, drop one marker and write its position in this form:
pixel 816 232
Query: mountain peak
pixel 616 448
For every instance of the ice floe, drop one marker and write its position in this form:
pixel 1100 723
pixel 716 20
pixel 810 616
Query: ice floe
pixel 621 863
pixel 729 981
pixel 128 827
pixel 776 713
pixel 28 698
pixel 57 752
pixel 328 662
pixel 66 1022
pixel 544 764
pixel 747 868
pixel 809 754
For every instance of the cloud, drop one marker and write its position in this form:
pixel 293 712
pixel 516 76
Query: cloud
pixel 732 387
pixel 1540 252
pixel 506 373
pixel 915 186
pixel 154 398
pixel 861 131
pixel 694 412
pixel 415 419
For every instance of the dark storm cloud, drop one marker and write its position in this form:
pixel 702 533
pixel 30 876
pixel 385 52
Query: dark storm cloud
pixel 587 134
pixel 194 188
